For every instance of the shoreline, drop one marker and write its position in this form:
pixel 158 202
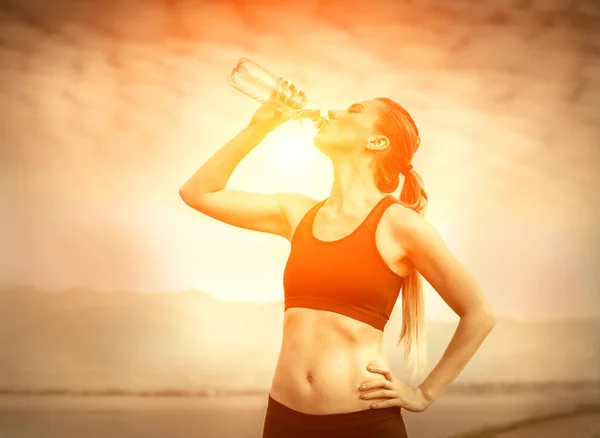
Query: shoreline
pixel 495 388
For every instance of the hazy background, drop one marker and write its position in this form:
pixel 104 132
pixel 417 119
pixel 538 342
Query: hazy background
pixel 109 106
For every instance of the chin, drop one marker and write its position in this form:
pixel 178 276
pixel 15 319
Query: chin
pixel 323 144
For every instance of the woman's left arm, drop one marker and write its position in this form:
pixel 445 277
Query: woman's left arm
pixel 428 254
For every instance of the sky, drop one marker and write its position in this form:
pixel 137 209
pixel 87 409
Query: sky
pixel 109 107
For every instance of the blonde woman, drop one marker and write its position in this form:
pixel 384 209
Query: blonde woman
pixel 351 256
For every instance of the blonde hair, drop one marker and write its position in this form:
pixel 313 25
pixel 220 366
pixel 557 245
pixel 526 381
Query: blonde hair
pixel 398 126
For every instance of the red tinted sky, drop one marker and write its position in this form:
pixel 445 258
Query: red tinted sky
pixel 108 110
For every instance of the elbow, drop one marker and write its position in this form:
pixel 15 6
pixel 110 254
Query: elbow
pixel 184 194
pixel 193 196
pixel 488 317
pixel 484 317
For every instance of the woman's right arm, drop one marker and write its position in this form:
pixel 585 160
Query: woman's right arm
pixel 205 191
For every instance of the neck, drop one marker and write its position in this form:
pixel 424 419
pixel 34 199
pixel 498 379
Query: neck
pixel 353 186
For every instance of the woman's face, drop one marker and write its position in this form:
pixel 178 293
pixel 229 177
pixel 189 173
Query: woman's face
pixel 350 129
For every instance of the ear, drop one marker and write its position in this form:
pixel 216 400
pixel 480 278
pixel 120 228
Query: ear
pixel 377 142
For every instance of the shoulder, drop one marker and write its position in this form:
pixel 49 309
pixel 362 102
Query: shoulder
pixel 411 230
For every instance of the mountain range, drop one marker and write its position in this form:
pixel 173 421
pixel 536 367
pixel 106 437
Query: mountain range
pixel 86 339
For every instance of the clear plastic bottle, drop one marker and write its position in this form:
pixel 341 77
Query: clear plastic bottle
pixel 263 86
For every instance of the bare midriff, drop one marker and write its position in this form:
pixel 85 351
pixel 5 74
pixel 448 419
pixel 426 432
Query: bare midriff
pixel 323 361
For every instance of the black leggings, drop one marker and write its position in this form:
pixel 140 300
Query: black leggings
pixel 284 422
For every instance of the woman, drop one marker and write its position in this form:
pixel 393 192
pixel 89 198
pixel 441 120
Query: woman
pixel 351 255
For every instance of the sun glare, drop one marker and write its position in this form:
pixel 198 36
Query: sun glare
pixel 295 143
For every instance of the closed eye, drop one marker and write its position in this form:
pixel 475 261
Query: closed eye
pixel 355 108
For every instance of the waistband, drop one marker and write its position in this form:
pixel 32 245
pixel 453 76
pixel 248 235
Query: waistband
pixel 329 421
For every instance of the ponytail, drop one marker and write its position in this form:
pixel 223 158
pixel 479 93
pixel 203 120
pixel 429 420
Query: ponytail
pixel 413 196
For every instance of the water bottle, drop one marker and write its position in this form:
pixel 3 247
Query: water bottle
pixel 264 87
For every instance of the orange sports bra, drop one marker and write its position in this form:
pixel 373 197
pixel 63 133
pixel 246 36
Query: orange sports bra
pixel 346 276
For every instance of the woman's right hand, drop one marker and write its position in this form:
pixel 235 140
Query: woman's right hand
pixel 270 115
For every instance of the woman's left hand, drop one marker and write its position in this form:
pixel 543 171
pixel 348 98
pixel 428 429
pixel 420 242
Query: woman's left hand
pixel 396 392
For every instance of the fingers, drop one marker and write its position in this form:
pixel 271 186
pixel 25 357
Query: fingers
pixel 383 393
pixel 384 372
pixel 385 404
pixel 290 86
pixel 295 90
pixel 300 93
pixel 376 384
